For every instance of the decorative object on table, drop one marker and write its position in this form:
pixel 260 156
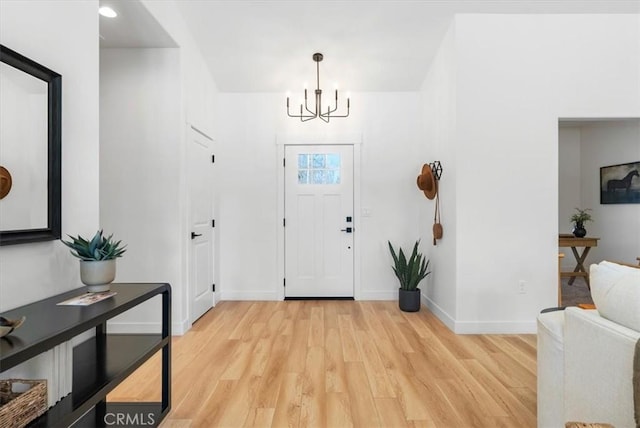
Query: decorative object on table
pixel 409 272
pixel 579 219
pixel 5 182
pixel 305 113
pixel 19 406
pixel 620 184
pixel 7 325
pixel 97 259
pixel 87 299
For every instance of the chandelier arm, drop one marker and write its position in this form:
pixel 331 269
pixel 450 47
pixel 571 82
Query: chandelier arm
pixel 314 113
pixel 331 110
pixel 318 107
pixel 329 113
pixel 336 115
pixel 297 115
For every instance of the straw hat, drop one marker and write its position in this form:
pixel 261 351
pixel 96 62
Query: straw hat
pixel 427 182
pixel 5 182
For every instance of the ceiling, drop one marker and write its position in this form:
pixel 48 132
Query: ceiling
pixel 266 46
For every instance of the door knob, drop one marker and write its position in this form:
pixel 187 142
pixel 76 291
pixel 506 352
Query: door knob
pixel 348 230
pixel 194 235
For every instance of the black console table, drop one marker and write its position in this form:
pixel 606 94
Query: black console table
pixel 100 363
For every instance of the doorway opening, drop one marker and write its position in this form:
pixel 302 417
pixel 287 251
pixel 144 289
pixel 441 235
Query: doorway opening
pixel 586 148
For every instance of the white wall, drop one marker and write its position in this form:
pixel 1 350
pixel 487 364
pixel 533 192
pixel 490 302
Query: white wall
pixel 617 225
pixel 517 74
pixel 140 141
pixel 194 106
pixel 439 127
pixel 569 177
pixel 31 272
pixel 391 158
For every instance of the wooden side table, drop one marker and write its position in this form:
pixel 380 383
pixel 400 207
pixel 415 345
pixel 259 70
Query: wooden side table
pixel 574 243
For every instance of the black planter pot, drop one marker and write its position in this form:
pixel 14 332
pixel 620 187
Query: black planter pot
pixel 579 231
pixel 409 300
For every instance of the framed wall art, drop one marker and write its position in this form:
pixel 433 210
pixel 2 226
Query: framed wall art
pixel 620 184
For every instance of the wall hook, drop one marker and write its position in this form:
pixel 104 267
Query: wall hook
pixel 436 168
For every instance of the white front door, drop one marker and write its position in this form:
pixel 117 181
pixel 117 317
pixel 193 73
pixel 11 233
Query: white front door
pixel 201 234
pixel 319 224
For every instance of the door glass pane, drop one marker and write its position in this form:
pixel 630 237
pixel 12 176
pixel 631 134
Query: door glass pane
pixel 332 176
pixel 333 161
pixel 303 161
pixel 303 176
pixel 317 177
pixel 318 161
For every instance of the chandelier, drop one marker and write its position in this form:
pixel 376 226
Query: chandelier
pixel 305 113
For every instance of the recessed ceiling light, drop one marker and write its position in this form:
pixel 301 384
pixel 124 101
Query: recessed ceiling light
pixel 107 12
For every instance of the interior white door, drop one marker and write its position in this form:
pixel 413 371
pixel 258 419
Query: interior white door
pixel 201 265
pixel 319 223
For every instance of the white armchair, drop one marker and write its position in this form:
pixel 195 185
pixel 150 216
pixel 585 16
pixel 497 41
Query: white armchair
pixel 585 357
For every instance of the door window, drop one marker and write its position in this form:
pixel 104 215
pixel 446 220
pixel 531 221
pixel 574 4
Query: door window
pixel 319 168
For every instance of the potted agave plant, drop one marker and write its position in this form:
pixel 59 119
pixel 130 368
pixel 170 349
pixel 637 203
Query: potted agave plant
pixel 97 259
pixel 409 272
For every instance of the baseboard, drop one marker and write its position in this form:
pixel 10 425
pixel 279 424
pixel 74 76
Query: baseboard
pixel 378 295
pixel 319 298
pixel 178 328
pixel 440 313
pixel 480 327
pixel 249 295
pixel 495 327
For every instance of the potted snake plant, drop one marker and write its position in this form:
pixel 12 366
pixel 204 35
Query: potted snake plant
pixel 97 259
pixel 409 272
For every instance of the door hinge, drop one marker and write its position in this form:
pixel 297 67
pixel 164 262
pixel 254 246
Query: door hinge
pixel 213 158
pixel 213 287
pixel 284 162
pixel 284 222
pixel 284 282
pixel 213 223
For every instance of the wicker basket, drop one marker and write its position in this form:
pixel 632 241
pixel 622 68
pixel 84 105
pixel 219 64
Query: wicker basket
pixel 17 409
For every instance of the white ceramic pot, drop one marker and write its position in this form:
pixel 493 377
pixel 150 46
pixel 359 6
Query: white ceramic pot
pixel 98 274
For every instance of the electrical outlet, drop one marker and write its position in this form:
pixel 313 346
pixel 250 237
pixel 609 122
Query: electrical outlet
pixel 522 287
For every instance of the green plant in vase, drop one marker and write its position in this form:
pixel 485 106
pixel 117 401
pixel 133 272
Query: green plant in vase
pixel 97 259
pixel 579 218
pixel 409 273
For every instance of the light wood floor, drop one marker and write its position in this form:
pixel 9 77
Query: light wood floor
pixel 340 364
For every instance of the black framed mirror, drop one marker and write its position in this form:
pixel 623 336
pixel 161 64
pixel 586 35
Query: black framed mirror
pixel 30 150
